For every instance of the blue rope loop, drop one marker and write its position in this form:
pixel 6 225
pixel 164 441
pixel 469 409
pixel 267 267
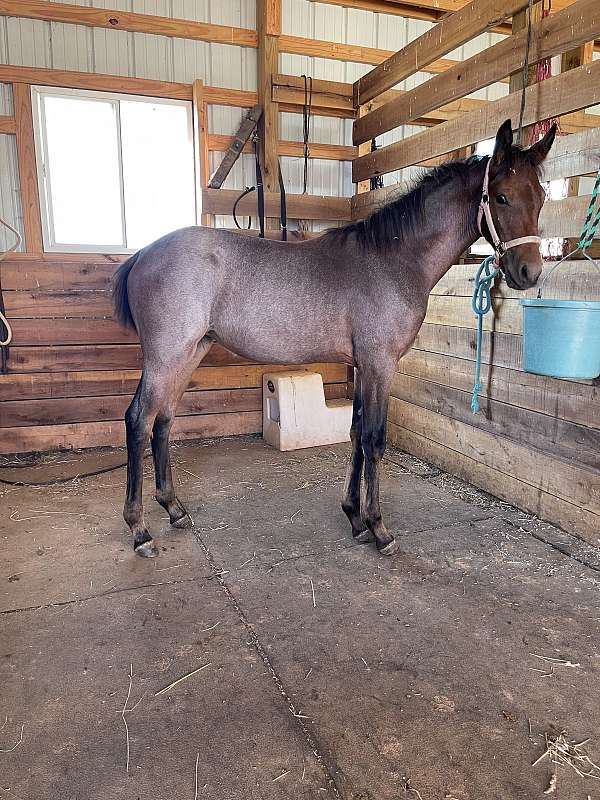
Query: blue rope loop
pixel 481 304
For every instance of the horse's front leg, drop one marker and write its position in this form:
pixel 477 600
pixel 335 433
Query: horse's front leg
pixel 351 494
pixel 376 384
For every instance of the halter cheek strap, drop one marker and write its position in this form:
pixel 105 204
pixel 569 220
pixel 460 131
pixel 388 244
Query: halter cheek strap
pixel 500 247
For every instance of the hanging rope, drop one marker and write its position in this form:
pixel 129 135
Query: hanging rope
pixel 592 221
pixel 481 304
pixel 5 329
pixel 542 73
pixel 525 73
pixel 306 114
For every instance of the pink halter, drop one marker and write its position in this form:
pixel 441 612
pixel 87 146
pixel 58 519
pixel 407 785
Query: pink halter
pixel 500 247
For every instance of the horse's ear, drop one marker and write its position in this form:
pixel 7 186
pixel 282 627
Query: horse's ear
pixel 540 149
pixel 503 146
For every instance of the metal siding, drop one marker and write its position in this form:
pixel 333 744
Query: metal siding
pixel 10 200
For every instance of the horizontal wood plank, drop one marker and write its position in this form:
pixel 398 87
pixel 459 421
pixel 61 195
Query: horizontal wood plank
pixel 570 91
pixel 576 444
pixel 576 154
pixel 573 280
pixel 112 407
pixel 220 201
pixel 553 35
pixel 94 383
pixel 104 434
pixel 8 125
pixel 102 357
pixel 117 20
pixel 541 471
pixel 475 17
pixel 561 399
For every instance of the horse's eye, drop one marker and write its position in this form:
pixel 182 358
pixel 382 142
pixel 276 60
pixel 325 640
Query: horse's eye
pixel 501 200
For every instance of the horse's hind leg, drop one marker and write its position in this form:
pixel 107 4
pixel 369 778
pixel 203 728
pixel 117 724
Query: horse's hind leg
pixel 375 399
pixel 351 495
pixel 156 398
pixel 165 491
pixel 138 419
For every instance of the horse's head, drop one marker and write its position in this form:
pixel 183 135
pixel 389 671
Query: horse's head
pixel 515 198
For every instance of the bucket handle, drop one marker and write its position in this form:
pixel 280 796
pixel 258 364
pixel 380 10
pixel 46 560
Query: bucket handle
pixel 558 264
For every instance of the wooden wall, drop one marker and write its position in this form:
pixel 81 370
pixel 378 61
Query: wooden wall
pixel 536 441
pixel 73 370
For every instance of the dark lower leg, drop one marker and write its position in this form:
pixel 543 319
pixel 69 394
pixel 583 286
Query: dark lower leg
pixel 375 405
pixel 136 422
pixel 165 492
pixel 351 494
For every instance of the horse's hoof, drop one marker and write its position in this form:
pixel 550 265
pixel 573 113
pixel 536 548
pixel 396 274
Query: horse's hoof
pixel 183 522
pixel 146 549
pixel 364 537
pixel 390 548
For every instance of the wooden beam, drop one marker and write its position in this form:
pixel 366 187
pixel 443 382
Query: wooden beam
pixel 551 36
pixel 300 206
pixel 28 179
pixel 236 146
pixel 268 23
pixel 474 18
pixel 429 10
pixel 95 81
pixel 360 54
pixel 584 54
pixel 562 94
pixel 332 98
pixel 8 125
pixel 201 158
pixel 116 20
pixel 329 152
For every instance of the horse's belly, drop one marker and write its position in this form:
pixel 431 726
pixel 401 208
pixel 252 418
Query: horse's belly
pixel 286 347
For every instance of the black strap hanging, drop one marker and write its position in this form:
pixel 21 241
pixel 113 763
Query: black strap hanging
pixel 306 114
pixel 261 191
pixel 376 180
pixel 247 190
pixel 282 206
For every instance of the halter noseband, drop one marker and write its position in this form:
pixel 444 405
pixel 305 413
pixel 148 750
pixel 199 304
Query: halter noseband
pixel 500 247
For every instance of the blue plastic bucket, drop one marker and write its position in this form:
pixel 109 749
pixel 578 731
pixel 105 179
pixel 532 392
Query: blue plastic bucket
pixel 561 338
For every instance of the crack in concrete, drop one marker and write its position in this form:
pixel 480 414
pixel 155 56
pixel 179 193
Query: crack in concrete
pixel 108 593
pixel 322 760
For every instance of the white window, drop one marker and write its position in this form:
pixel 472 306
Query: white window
pixel 115 171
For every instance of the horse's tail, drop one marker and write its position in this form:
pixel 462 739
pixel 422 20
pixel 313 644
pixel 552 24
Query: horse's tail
pixel 120 295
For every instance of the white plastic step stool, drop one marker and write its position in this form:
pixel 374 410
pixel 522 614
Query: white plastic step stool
pixel 295 413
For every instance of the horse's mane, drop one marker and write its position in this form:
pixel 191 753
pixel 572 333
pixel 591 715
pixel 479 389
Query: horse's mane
pixel 404 216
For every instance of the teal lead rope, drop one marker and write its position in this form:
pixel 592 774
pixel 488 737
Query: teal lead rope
pixel 590 226
pixel 481 304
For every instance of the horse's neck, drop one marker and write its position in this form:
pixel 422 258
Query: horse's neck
pixel 451 224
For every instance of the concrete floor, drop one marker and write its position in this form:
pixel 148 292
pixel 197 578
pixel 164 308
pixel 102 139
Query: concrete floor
pixel 419 676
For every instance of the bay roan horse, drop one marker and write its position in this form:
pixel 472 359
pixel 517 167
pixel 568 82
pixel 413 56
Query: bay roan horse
pixel 355 295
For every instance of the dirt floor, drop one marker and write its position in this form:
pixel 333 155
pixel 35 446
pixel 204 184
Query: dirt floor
pixel 321 670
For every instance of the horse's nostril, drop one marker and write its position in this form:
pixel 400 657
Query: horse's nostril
pixel 524 273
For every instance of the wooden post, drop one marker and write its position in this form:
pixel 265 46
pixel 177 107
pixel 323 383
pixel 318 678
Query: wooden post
pixel 363 149
pixel 268 23
pixel 30 198
pixel 201 161
pixel 519 22
pixel 571 60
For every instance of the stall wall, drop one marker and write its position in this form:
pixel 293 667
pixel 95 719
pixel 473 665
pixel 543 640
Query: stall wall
pixel 536 440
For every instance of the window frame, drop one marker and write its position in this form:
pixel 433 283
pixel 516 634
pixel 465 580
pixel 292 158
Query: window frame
pixel 42 160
